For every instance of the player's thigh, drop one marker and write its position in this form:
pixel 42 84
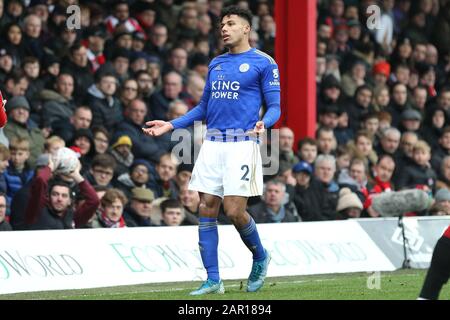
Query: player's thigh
pixel 243 170
pixel 207 174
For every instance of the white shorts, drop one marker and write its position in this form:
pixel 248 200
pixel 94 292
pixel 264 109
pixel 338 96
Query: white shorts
pixel 228 169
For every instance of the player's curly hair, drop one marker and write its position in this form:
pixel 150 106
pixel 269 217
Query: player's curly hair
pixel 243 13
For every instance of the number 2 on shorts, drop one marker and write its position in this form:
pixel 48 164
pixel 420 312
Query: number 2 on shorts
pixel 244 177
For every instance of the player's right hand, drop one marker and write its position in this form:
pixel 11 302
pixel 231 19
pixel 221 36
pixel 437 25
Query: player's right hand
pixel 157 128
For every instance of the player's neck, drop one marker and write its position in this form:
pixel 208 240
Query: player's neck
pixel 240 48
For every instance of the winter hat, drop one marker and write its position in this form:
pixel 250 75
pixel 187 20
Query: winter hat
pixel 141 162
pixel 138 35
pixel 49 60
pixel 330 108
pixel 411 114
pixel 348 199
pixel 96 31
pixel 84 133
pixel 330 81
pixel 382 67
pixel 77 150
pixel 302 166
pixel 185 167
pixel 442 195
pixel 17 102
pixel 142 194
pixel 123 140
pixel 5 52
pixel 42 160
pixel 37 3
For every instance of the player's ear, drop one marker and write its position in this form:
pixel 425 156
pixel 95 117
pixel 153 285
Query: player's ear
pixel 247 29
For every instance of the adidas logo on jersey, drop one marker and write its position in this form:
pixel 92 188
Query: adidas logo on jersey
pixel 218 68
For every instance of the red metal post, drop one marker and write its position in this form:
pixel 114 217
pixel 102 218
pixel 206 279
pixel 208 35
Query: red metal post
pixel 295 53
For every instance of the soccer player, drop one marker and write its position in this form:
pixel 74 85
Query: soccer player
pixel 439 270
pixel 229 165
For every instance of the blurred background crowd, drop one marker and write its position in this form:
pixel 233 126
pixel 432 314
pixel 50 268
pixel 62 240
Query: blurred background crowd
pixel 383 110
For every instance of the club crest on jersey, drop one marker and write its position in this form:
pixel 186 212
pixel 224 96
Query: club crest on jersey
pixel 244 67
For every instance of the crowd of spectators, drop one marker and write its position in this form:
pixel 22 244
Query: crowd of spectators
pixel 88 79
pixel 383 107
pixel 383 110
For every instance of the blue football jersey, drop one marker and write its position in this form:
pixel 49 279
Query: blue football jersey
pixel 236 87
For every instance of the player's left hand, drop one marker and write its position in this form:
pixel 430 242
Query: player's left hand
pixel 259 127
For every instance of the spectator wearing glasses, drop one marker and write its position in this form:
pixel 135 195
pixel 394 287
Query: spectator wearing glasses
pixel 128 92
pixel 102 170
pixel 138 177
pixel 101 139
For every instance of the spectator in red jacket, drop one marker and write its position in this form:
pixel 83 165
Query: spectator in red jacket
pixel 50 203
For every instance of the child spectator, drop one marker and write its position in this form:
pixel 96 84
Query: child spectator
pixel 18 173
pixel 172 213
pixel 419 174
pixel 441 206
pixel 4 163
pixel 307 150
pixel 344 155
pixel 53 143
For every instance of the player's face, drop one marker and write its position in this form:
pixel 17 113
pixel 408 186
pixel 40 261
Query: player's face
pixel 233 30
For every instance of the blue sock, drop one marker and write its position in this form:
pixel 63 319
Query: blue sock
pixel 208 242
pixel 250 236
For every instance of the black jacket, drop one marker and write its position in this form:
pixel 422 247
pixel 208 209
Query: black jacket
pixel 414 175
pixel 261 214
pixel 144 146
pixel 133 219
pixel 105 112
pixel 5 226
pixel 310 203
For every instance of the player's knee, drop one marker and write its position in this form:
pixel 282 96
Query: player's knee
pixel 208 209
pixel 235 214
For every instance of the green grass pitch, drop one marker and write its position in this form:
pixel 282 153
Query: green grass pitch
pixel 398 285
